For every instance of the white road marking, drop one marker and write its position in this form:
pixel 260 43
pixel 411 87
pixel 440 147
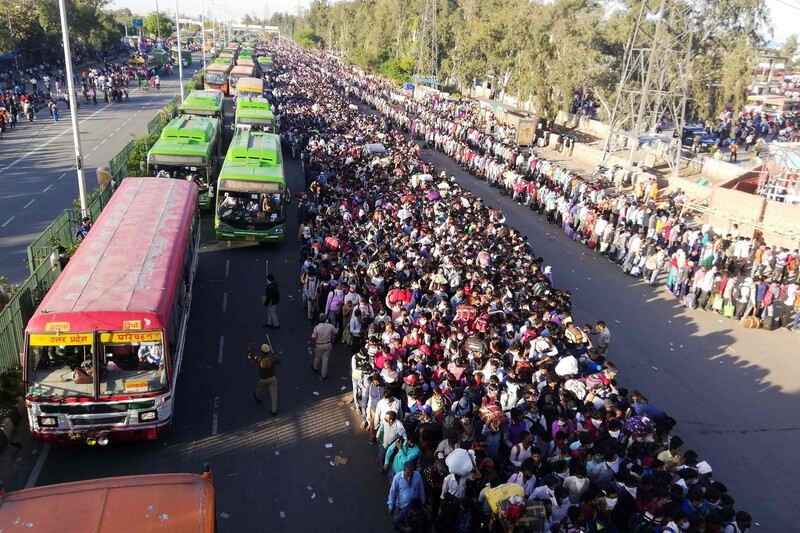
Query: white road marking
pixel 29 203
pixel 37 468
pixel 215 418
pixel 62 175
pixel 53 139
pixel 221 348
pixel 227 267
pixel 225 303
pixel 8 221
pixel 102 142
pixel 48 187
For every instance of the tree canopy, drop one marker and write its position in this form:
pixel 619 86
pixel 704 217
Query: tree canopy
pixel 35 25
pixel 532 48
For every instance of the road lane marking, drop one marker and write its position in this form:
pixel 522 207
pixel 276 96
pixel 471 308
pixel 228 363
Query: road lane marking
pixel 224 303
pixel 48 187
pixel 7 221
pixel 37 468
pixel 95 148
pixel 102 142
pixel 62 175
pixel 29 203
pixel 227 267
pixel 221 348
pixel 215 418
pixel 52 140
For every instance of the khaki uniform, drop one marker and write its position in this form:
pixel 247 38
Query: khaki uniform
pixel 323 336
pixel 267 381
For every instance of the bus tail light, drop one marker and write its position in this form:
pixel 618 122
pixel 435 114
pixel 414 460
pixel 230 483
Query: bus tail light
pixel 48 421
pixel 148 416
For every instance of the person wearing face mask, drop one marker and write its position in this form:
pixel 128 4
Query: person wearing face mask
pixel 678 523
pixel 577 483
pixel 741 523
pixel 627 491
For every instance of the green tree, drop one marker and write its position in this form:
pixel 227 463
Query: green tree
pixel 155 22
pixel 307 38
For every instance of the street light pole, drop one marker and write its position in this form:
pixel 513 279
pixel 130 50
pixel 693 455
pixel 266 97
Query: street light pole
pixel 203 31
pixel 73 111
pixel 180 51
pixel 158 24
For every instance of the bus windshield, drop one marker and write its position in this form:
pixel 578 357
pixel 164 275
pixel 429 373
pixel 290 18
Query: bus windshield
pixel 259 209
pixel 54 362
pixel 215 78
pixel 128 362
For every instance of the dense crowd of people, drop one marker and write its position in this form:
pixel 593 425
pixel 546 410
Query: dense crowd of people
pixel 644 231
pixel 467 367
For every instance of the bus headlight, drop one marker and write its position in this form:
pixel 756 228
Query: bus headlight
pixel 222 227
pixel 148 416
pixel 48 421
pixel 278 230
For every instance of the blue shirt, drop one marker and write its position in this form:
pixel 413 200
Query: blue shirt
pixel 402 492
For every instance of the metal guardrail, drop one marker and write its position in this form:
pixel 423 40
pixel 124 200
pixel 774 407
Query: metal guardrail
pixel 21 308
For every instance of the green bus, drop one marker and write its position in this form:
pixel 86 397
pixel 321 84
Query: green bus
pixel 205 103
pixel 160 55
pixel 185 54
pixel 246 52
pixel 190 147
pixel 255 114
pixel 252 196
pixel 266 63
pixel 223 61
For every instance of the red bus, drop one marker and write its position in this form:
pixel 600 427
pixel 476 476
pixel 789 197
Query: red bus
pixel 153 502
pixel 103 350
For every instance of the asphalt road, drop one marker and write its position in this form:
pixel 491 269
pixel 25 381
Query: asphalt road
pixel 734 392
pixel 263 466
pixel 38 179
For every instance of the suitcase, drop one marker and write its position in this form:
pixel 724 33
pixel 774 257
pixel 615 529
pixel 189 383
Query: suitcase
pixel 750 322
pixel 768 323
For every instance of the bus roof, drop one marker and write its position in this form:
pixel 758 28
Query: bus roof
pixel 255 146
pixel 124 265
pixel 243 69
pixel 158 502
pixel 222 61
pixel 218 67
pixel 265 59
pixel 205 99
pixel 252 102
pixel 190 129
pixel 250 171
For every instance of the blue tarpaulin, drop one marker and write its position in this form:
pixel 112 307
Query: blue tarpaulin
pixel 8 56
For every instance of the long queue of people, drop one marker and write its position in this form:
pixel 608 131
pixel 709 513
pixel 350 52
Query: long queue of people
pixel 468 369
pixel 644 231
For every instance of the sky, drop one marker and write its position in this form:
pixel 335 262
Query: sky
pixel 785 13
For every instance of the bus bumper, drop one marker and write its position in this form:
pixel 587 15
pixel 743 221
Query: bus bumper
pixel 275 234
pixel 91 435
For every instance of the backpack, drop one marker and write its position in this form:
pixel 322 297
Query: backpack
pixel 768 298
pixel 451 428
